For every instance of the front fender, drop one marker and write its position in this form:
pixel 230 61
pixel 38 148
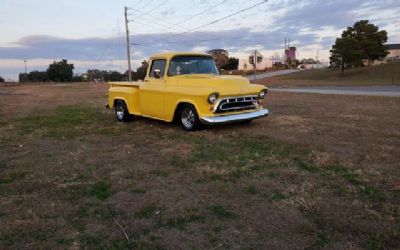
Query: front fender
pixel 195 96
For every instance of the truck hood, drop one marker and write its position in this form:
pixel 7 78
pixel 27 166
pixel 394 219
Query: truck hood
pixel 223 84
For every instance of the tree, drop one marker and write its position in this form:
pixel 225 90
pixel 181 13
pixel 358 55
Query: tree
pixel 232 64
pixel 60 71
pixel 23 77
pixel 141 71
pixel 115 76
pixel 362 41
pixel 38 76
pixel 371 40
pixel 96 75
pixel 2 79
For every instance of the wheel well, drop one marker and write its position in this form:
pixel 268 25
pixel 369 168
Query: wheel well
pixel 121 100
pixel 118 100
pixel 178 109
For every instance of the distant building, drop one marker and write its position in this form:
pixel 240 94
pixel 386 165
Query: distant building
pixel 262 62
pixel 290 54
pixel 221 57
pixel 393 55
pixel 394 51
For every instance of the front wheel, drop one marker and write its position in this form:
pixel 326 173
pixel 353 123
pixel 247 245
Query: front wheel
pixel 121 112
pixel 189 118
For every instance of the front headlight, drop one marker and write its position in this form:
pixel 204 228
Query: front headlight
pixel 212 98
pixel 262 94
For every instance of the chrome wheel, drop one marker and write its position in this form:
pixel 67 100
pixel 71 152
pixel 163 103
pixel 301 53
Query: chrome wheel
pixel 119 110
pixel 188 118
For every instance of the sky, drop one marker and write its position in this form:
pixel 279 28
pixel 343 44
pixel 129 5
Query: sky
pixel 91 33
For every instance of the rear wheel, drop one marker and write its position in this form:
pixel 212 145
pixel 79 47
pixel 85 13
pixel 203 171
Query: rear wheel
pixel 189 118
pixel 121 112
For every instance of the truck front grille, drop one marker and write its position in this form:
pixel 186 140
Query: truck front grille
pixel 232 104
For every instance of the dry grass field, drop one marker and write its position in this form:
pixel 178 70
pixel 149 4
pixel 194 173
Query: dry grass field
pixel 322 172
pixel 384 74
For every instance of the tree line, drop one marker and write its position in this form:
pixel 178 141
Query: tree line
pixel 62 71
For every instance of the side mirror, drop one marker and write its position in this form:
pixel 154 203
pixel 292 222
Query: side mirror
pixel 157 73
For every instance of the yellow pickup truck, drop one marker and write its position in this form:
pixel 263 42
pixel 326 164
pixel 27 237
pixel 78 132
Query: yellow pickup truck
pixel 187 88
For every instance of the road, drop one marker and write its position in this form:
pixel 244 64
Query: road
pixel 393 91
pixel 273 73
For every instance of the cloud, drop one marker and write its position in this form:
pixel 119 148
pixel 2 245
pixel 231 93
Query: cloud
pixel 113 48
pixel 310 24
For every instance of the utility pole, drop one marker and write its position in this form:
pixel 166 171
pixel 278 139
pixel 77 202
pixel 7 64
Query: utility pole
pixel 255 65
pixel 128 45
pixel 26 69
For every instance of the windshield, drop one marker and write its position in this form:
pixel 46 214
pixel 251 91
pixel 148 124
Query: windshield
pixel 184 65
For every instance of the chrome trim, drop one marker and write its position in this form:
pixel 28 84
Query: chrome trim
pixel 235 117
pixel 216 105
pixel 243 108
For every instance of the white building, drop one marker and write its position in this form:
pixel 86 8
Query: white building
pixel 263 62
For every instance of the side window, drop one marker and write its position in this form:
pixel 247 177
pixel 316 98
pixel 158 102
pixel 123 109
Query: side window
pixel 158 64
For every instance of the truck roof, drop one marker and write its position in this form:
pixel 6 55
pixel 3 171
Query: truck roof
pixel 168 55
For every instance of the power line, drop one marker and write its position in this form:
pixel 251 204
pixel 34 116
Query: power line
pixel 157 6
pixel 220 19
pixel 150 22
pixel 136 5
pixel 202 12
pixel 204 40
pixel 149 4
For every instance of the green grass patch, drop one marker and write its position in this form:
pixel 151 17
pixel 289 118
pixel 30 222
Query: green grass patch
pixel 182 221
pixel 159 173
pixel 222 212
pixel 238 156
pixel 64 241
pixel 251 189
pixel 322 238
pixel 339 190
pixel 372 193
pixel 274 196
pixel 307 166
pixel 9 238
pixel 3 164
pixel 12 177
pixel 88 241
pixel 77 219
pixel 138 191
pixel 273 174
pixel 346 173
pixel 389 239
pixel 148 212
pixel 69 122
pixel 101 190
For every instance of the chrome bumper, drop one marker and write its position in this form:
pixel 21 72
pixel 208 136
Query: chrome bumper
pixel 234 118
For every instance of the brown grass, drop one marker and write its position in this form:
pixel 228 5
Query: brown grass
pixel 320 172
pixel 385 74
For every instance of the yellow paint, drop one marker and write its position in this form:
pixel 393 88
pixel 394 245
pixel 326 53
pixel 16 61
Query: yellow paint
pixel 159 98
